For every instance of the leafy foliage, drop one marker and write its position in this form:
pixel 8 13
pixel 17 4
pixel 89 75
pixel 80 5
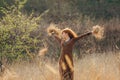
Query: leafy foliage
pixel 16 34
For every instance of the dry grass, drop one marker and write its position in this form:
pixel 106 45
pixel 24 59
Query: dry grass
pixel 98 67
pixel 98 32
pixel 91 67
pixel 42 51
pixel 52 29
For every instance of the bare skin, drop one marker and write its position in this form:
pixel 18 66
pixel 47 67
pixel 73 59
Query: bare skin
pixel 65 36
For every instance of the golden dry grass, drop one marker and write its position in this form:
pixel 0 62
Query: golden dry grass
pixel 98 32
pixel 42 52
pixel 52 29
pixel 91 67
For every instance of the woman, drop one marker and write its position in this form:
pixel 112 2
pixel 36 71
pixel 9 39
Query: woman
pixel 67 41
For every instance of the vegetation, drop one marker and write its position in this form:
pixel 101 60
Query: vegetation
pixel 19 35
pixel 23 26
pixel 33 54
pixel 72 8
pixel 92 67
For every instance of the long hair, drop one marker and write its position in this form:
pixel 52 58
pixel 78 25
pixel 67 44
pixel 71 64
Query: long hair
pixel 70 32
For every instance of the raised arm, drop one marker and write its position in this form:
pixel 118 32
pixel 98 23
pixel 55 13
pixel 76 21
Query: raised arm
pixel 81 36
pixel 57 38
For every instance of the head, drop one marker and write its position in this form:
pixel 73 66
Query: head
pixel 65 35
pixel 68 33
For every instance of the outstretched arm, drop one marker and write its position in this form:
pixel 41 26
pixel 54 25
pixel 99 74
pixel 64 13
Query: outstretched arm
pixel 57 38
pixel 81 36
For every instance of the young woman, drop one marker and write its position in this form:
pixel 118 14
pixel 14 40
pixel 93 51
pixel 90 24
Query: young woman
pixel 67 41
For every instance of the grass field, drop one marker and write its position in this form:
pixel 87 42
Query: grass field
pixel 90 67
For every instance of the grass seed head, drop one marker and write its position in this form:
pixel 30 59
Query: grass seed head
pixel 98 32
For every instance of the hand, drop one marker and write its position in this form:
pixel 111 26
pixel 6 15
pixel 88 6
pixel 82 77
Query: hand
pixel 52 33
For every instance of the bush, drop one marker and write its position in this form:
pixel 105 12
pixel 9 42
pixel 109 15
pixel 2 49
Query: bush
pixel 19 37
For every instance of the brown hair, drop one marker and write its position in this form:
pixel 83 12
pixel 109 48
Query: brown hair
pixel 70 32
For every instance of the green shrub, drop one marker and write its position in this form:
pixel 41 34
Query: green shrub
pixel 19 37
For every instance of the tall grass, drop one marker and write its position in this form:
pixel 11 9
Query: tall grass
pixel 91 67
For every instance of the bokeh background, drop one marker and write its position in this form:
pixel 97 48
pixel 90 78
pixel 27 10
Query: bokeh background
pixel 23 36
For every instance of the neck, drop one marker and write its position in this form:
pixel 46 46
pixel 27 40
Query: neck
pixel 67 39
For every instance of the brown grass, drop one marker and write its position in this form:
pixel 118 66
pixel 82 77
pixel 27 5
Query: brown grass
pixel 43 51
pixel 98 32
pixel 91 67
pixel 52 29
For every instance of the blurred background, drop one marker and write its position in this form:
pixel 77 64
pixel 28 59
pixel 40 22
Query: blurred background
pixel 23 26
pixel 27 52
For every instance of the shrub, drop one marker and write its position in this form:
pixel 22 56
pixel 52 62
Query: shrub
pixel 19 37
